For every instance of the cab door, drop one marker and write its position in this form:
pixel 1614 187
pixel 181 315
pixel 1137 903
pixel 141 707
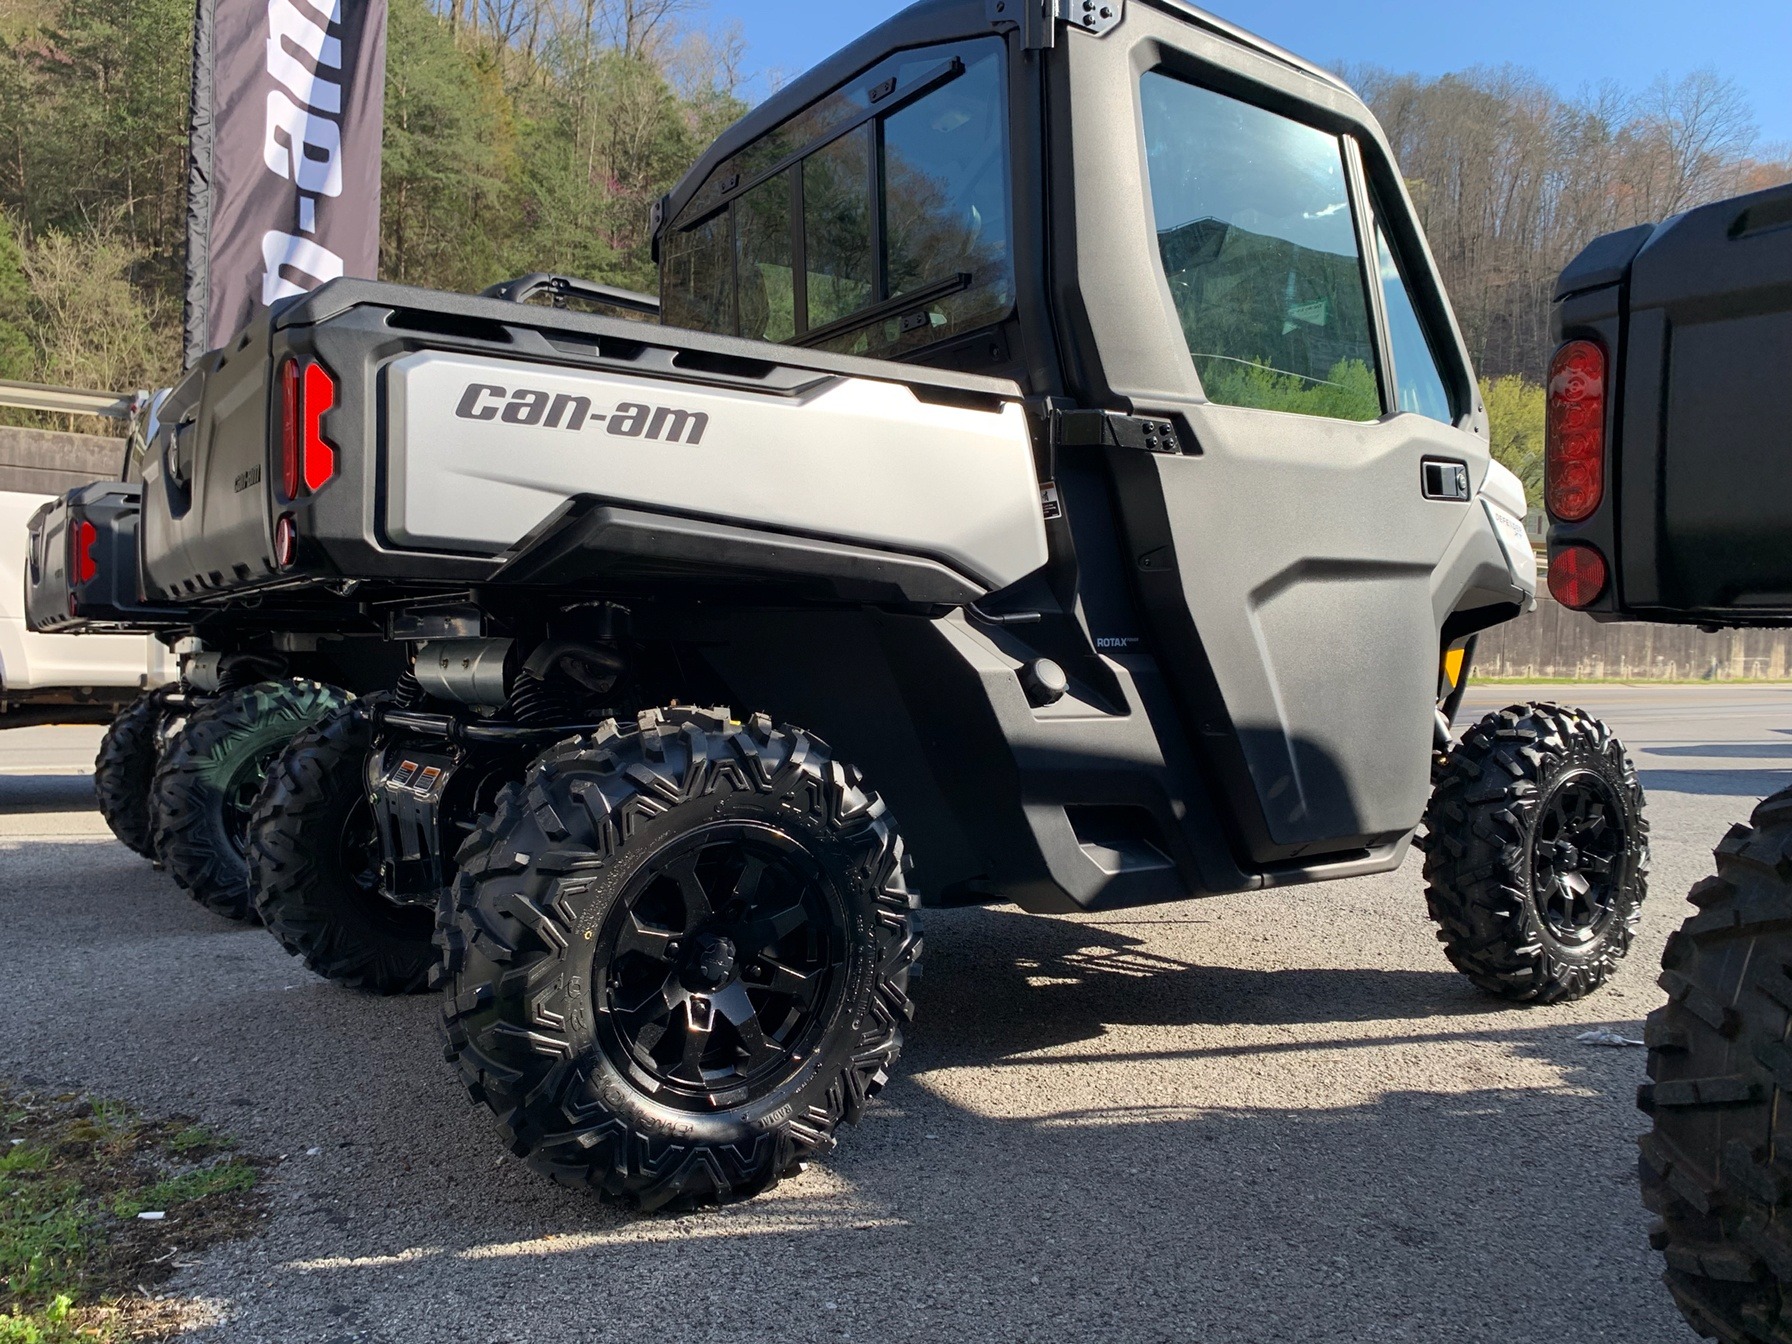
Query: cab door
pixel 1238 262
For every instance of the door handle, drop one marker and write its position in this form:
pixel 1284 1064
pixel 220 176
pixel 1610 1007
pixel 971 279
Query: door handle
pixel 1444 479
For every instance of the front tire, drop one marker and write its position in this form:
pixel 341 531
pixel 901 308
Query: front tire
pixel 1717 1168
pixel 124 772
pixel 1537 854
pixel 678 957
pixel 209 778
pixel 314 864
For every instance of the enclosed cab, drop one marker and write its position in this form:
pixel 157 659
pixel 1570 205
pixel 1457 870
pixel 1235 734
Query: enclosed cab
pixel 1667 490
pixel 1268 491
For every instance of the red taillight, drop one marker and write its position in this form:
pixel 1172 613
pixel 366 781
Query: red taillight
pixel 1577 576
pixel 290 466
pixel 286 541
pixel 82 565
pixel 307 461
pixel 320 396
pixel 1574 459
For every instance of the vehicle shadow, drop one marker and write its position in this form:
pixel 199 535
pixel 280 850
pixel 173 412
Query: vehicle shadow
pixel 999 982
pixel 1716 783
pixel 24 795
pixel 1728 750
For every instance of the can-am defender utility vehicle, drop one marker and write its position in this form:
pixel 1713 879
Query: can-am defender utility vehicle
pixel 1058 442
pixel 180 765
pixel 1671 501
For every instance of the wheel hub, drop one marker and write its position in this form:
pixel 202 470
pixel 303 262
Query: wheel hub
pixel 1576 857
pixel 720 965
pixel 712 962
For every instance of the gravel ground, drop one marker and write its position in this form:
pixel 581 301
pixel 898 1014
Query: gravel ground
pixel 1256 1118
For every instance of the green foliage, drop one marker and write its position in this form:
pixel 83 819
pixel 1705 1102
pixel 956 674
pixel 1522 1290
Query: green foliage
pixel 1350 391
pixel 1516 410
pixel 223 1178
pixel 45 1227
pixel 17 358
pixel 74 1174
pixel 51 1325
pixel 502 156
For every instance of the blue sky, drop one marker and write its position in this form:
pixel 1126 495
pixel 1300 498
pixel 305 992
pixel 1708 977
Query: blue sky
pixel 1571 43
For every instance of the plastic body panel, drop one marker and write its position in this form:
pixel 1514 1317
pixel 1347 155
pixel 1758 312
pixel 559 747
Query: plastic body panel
pixel 48 663
pixel 1696 318
pixel 1292 575
pixel 212 490
pixel 55 601
pixel 856 461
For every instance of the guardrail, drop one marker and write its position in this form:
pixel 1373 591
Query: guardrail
pixel 67 400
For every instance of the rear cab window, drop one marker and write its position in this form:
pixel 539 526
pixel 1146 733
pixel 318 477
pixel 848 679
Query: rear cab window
pixel 876 222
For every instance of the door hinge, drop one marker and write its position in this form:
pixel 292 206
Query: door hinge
pixel 1107 429
pixel 1100 17
pixel 1038 20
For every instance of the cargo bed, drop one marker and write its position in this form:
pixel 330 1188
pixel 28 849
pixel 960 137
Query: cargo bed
pixel 402 439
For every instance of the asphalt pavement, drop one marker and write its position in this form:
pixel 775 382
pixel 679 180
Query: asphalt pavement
pixel 1247 1119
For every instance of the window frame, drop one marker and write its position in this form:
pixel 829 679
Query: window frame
pixel 1368 173
pixel 1380 224
pixel 882 101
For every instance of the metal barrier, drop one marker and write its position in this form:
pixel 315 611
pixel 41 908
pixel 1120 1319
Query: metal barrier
pixel 67 400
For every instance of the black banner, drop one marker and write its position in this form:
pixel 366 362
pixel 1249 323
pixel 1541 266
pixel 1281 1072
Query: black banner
pixel 288 101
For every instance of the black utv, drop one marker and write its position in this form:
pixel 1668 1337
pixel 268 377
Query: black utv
pixel 1057 441
pixel 180 767
pixel 1671 502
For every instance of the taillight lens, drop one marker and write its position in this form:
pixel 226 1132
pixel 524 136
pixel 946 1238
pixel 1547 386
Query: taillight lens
pixel 1577 576
pixel 307 461
pixel 1574 459
pixel 320 396
pixel 286 541
pixel 82 538
pixel 290 466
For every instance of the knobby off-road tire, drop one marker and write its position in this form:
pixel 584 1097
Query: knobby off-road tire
pixel 208 780
pixel 1537 854
pixel 1717 1168
pixel 678 957
pixel 125 771
pixel 314 865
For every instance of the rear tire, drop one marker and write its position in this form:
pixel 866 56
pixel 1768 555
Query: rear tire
pixel 314 863
pixel 1717 1167
pixel 1537 854
pixel 209 778
pixel 678 957
pixel 124 773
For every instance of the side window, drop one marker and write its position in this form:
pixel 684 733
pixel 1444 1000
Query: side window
pixel 884 228
pixel 1260 246
pixel 765 275
pixel 837 228
pixel 946 206
pixel 697 276
pixel 1421 384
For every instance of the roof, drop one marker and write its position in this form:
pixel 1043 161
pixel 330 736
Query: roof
pixel 922 23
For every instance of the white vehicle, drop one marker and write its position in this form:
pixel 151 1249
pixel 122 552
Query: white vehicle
pixel 57 678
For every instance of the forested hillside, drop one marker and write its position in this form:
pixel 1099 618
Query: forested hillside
pixel 520 135
pixel 535 134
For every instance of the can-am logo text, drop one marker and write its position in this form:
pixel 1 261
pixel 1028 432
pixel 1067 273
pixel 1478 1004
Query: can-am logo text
pixel 561 410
